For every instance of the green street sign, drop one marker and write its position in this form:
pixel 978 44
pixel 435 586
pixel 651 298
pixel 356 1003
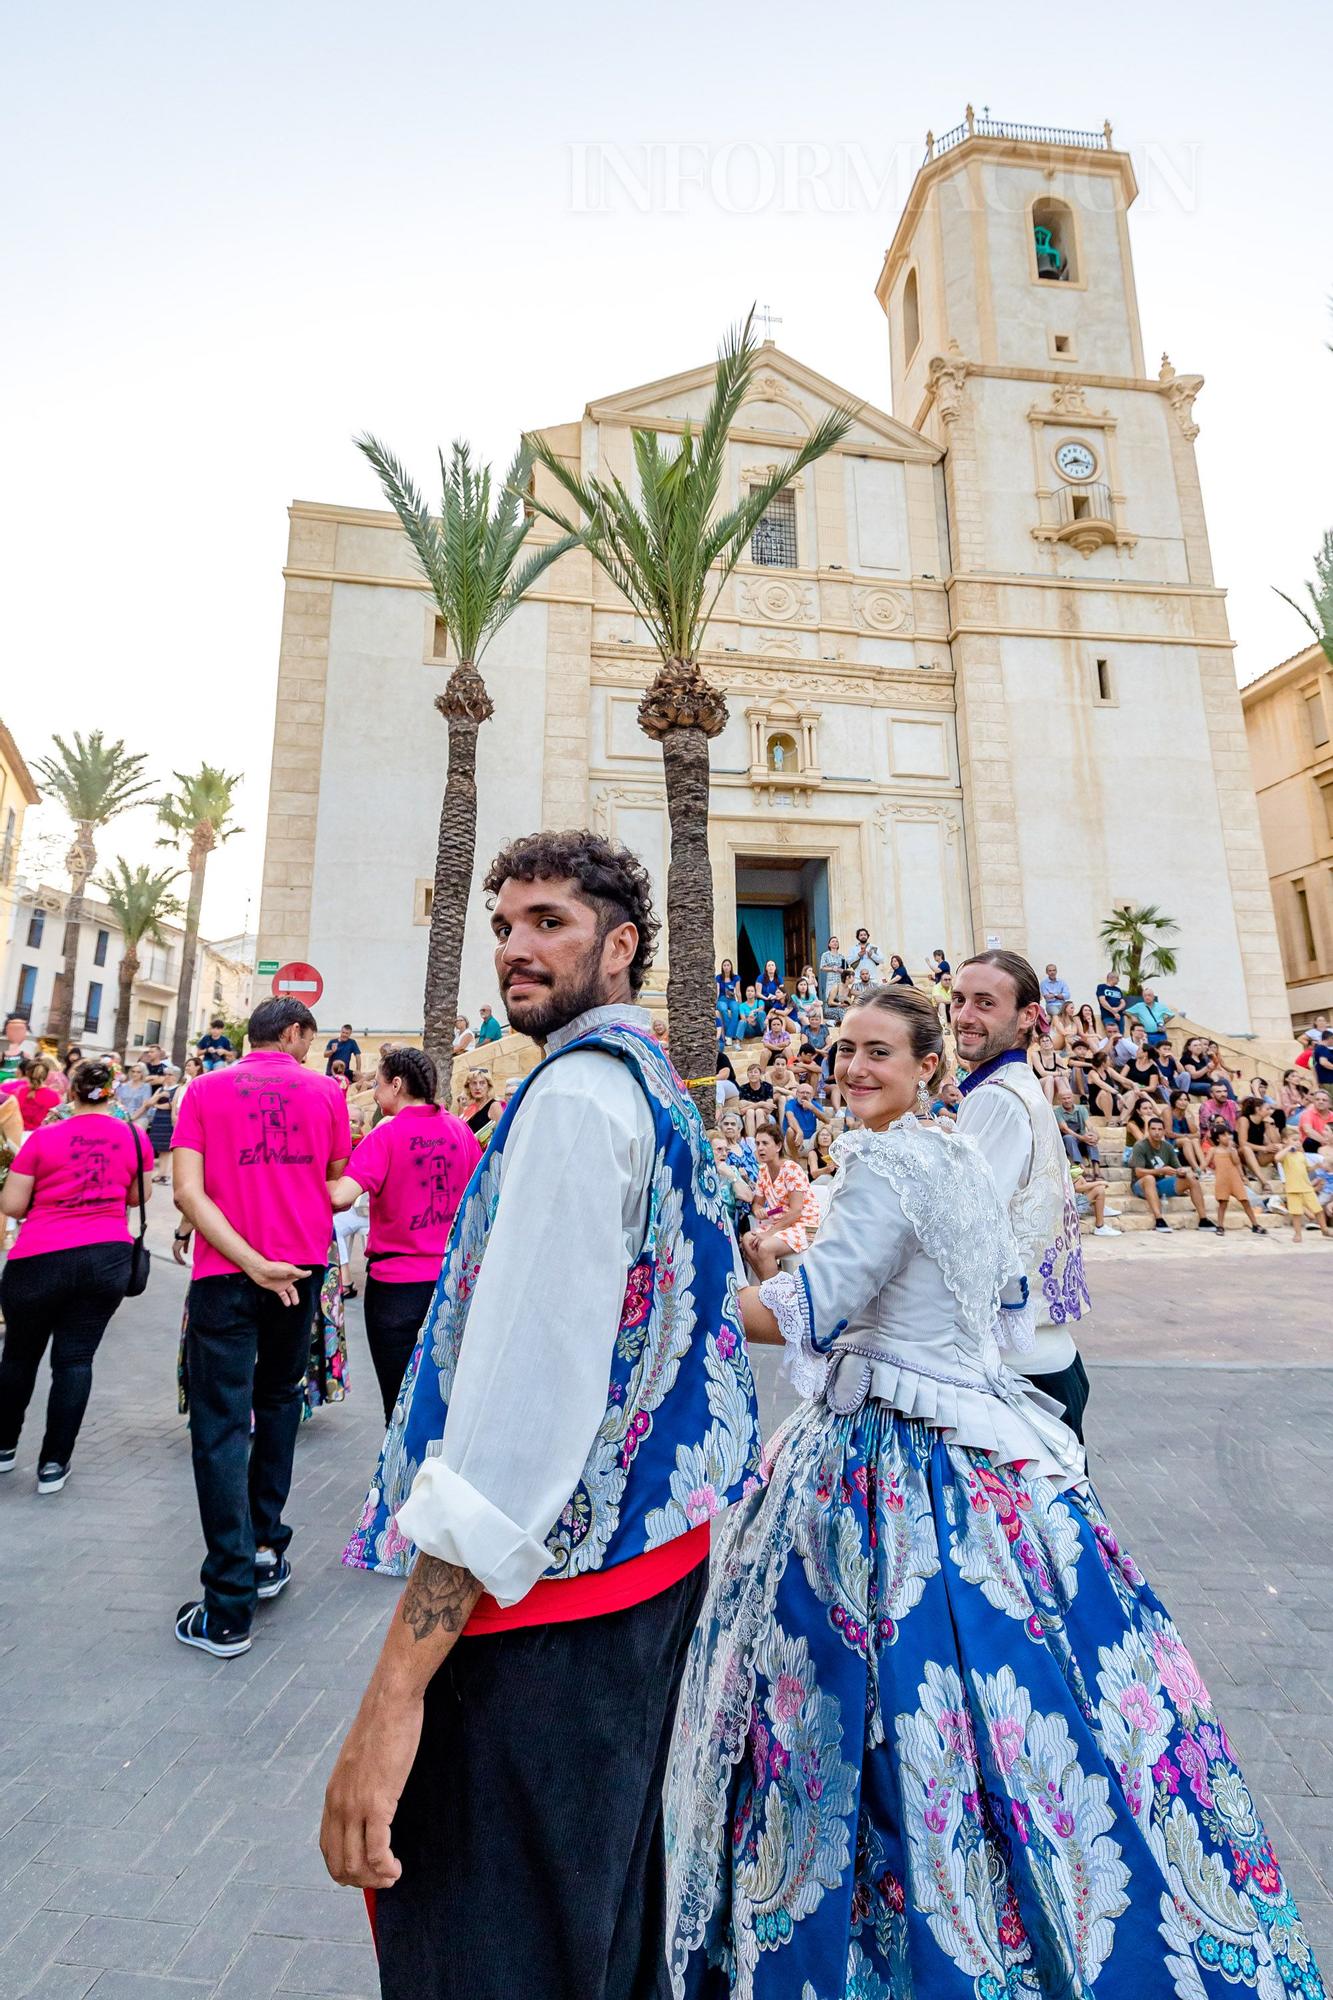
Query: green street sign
pixel 267 965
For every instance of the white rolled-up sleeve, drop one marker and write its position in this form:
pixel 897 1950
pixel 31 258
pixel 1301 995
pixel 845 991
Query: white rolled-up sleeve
pixel 535 1363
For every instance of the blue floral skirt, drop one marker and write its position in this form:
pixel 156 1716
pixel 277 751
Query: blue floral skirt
pixel 938 1740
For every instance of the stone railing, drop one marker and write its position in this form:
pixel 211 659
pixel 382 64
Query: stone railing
pixel 973 127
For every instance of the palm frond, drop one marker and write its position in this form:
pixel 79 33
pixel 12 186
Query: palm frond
pixel 92 779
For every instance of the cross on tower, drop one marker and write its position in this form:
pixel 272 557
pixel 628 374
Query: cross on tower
pixel 770 319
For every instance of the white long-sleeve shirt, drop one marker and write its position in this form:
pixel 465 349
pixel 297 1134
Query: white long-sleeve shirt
pixel 530 1389
pixel 999 1123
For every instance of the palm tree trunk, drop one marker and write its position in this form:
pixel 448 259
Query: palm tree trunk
pixel 180 1033
pixel 129 967
pixel 690 986
pixel 81 861
pixel 465 705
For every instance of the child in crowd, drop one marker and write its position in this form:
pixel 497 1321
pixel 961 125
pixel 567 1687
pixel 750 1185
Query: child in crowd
pixel 1302 1201
pixel 755 1099
pixel 1228 1179
pixel 1091 1188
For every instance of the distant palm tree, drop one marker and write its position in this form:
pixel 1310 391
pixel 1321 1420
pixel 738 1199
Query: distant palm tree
pixel 198 810
pixel 1132 938
pixel 94 781
pixel 138 900
pixel 671 555
pixel 1320 595
pixel 468 558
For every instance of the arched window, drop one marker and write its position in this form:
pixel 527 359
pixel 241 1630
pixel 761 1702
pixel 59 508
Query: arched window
pixel 911 317
pixel 1054 240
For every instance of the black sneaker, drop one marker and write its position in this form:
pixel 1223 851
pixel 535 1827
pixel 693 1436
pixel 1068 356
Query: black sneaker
pixel 1205 1223
pixel 272 1574
pixel 193 1629
pixel 1257 1229
pixel 1162 1223
pixel 7 1458
pixel 51 1477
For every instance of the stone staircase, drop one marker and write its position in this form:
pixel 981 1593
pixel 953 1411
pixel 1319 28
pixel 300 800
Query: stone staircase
pixel 1178 1209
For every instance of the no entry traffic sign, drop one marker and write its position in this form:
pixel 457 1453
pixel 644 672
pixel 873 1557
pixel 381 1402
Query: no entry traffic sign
pixel 298 982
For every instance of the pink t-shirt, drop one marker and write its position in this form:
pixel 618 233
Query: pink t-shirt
pixel 83 1171
pixel 414 1166
pixel 269 1131
pixel 34 1105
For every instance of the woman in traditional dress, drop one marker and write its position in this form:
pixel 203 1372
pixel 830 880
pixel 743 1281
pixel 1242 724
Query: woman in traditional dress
pixel 937 1739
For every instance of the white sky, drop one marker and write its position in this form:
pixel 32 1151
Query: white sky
pixel 235 237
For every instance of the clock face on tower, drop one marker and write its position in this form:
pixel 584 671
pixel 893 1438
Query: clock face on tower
pixel 1076 460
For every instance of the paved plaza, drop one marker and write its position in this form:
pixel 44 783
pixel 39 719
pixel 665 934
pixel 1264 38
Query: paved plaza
pixel 159 1810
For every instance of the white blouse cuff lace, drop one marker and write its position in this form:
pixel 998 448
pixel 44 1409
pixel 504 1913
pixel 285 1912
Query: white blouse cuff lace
pixel 789 1302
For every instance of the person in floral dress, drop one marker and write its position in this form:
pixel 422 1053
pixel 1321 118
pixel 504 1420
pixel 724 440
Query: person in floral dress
pixel 786 1213
pixel 937 1737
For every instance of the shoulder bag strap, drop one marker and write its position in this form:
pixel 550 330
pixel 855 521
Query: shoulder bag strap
pixel 138 1165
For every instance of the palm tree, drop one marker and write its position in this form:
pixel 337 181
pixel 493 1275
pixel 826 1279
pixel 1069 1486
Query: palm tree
pixel 199 808
pixel 93 781
pixel 670 556
pixel 138 900
pixel 1321 597
pixel 468 558
pixel 1133 952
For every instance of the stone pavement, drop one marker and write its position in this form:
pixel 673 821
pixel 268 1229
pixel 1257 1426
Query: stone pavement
pixel 159 1810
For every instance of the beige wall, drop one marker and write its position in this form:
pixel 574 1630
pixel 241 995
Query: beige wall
pixel 1285 710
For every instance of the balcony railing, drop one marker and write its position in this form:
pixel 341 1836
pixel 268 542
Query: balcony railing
pixel 973 127
pixel 1083 503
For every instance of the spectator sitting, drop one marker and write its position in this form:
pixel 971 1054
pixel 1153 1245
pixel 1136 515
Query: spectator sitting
pixel 1156 1168
pixel 1105 1086
pixel 1321 1060
pixel 750 1016
pixel 1055 994
pixel 948 1098
pixel 1153 1014
pixel 464 1039
pixel 215 1047
pixel 1080 1061
pixel 817 1033
pixel 1221 1104
pixel 778 1042
pixel 1259 1089
pixel 737 1191
pixel 825 1166
pixel 1185 1135
pixel 1228 1180
pixel 803 999
pixel 770 982
pixel 1313 1123
pixel 1090 1191
pixel 755 1097
pixel 1257 1139
pixel 1047 1065
pixel 1137 1119
pixel 1294 1094
pixel 1111 1005
pixel 726 1089
pixel 340 1076
pixel 898 973
pixel 1143 1071
pixel 488 1028
pixel 782 1077
pixel 740 1150
pixel 939 965
pixel 728 1000
pixel 801 1120
pixel 1072 1120
pixel 786 1214
pixel 941 992
pixel 1088 1029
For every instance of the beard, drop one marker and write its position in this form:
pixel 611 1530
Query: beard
pixel 997 1043
pixel 560 1001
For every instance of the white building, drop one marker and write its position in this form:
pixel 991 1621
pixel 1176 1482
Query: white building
pixel 33 954
pixel 978 667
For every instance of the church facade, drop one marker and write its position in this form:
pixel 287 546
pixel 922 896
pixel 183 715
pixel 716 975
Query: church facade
pixel 978 669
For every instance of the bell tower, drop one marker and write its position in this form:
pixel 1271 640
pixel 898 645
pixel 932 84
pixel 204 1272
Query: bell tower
pixel 1093 664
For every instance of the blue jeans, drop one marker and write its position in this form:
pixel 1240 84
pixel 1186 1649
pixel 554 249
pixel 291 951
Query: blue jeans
pixel 730 1010
pixel 245 1351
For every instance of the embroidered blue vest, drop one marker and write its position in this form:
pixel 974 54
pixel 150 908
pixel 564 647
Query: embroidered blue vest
pixel 680 1437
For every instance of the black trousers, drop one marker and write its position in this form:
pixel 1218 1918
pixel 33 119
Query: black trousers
pixel 530 1829
pixel 245 1351
pixel 65 1297
pixel 393 1320
pixel 1071 1388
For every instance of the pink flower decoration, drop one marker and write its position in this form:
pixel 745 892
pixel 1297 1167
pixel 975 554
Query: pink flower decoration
pixel 956 1729
pixel 701 1505
pixel 1006 1740
pixel 1138 1708
pixel 788 1697
pixel 1180 1677
pixel 395 1541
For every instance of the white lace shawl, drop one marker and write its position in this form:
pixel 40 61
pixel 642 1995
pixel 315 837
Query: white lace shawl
pixel 950 1199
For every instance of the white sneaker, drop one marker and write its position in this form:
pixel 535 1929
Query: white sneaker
pixel 1108 1210
pixel 1105 1229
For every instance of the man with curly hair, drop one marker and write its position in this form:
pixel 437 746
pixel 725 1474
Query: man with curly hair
pixel 580 1406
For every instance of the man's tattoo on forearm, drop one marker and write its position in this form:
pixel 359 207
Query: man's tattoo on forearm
pixel 438 1597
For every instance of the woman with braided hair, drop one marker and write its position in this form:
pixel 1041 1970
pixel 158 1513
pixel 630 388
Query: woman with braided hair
pixel 414 1166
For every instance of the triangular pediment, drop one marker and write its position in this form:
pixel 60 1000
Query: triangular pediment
pixel 786 402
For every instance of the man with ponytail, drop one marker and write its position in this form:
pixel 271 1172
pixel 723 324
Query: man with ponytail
pixel 414 1166
pixel 994 1007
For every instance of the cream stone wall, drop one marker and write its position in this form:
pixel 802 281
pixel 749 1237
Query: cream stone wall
pixel 1293 780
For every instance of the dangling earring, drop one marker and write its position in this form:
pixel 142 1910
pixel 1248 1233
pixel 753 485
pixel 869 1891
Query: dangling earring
pixel 922 1098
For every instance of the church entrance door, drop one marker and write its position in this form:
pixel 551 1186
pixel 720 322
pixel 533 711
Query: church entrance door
pixel 782 913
